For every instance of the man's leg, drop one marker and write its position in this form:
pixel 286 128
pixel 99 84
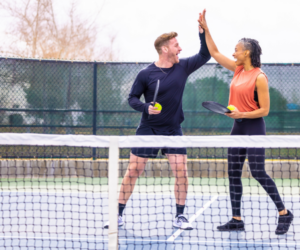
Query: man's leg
pixel 178 165
pixel 135 169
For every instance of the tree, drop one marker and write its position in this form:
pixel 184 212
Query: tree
pixel 206 89
pixel 277 100
pixel 39 33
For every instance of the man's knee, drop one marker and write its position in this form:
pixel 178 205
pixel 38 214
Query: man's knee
pixel 136 166
pixel 134 172
pixel 178 164
pixel 181 172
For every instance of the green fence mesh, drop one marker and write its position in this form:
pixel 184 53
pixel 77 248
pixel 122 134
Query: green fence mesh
pixel 41 96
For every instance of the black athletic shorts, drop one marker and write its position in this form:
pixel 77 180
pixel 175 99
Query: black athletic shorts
pixel 152 152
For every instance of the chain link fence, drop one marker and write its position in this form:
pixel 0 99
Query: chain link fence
pixel 64 97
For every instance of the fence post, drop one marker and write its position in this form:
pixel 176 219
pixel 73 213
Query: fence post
pixel 95 106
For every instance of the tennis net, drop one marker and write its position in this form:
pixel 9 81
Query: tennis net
pixel 59 191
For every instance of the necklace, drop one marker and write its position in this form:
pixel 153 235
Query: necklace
pixel 162 71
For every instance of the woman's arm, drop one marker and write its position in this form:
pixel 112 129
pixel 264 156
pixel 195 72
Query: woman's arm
pixel 263 98
pixel 213 50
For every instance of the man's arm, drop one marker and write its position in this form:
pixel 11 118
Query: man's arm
pixel 193 63
pixel 138 88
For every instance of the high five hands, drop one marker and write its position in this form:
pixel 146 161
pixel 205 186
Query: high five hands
pixel 202 22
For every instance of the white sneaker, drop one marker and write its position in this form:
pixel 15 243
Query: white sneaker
pixel 120 222
pixel 182 223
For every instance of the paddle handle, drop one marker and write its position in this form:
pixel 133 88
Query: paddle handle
pixel 150 116
pixel 155 96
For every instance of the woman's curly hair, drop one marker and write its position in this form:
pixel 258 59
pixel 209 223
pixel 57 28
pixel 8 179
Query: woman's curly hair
pixel 255 50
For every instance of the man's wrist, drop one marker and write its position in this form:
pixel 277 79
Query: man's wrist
pixel 147 107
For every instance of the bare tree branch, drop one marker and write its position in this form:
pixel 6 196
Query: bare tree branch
pixel 38 34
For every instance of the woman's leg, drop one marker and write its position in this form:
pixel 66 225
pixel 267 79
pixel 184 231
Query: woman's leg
pixel 236 158
pixel 256 158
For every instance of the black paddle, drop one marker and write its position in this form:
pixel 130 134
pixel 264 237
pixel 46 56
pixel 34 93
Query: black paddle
pixel 155 96
pixel 217 108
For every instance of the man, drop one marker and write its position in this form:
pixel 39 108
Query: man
pixel 172 74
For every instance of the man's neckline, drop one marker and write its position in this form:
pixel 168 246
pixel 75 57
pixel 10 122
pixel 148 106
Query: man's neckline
pixel 162 67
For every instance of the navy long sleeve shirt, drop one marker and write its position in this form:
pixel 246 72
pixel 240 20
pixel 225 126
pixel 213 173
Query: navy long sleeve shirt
pixel 170 92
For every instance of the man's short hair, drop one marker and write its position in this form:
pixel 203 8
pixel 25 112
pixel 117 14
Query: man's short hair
pixel 163 40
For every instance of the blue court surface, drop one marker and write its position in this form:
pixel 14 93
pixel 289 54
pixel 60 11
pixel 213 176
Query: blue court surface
pixel 74 220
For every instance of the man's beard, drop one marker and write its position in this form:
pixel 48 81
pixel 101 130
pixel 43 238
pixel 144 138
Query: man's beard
pixel 173 59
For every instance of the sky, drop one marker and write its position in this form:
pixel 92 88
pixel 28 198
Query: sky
pixel 137 23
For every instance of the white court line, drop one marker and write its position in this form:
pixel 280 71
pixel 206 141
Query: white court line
pixel 143 240
pixel 220 195
pixel 218 242
pixel 52 238
pixel 55 192
pixel 194 217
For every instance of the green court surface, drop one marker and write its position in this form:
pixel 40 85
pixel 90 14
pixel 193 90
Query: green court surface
pixel 207 186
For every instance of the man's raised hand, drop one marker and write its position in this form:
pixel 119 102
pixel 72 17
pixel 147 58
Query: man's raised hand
pixel 200 28
pixel 202 21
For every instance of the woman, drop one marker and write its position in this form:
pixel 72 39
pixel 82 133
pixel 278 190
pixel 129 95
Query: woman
pixel 249 94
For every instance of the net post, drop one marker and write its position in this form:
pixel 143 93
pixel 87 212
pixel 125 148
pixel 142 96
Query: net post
pixel 113 176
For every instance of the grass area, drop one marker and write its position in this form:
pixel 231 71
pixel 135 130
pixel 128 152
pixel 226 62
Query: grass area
pixel 35 182
pixel 142 181
pixel 214 181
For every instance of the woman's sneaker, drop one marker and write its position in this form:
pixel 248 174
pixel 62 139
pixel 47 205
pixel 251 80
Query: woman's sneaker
pixel 183 223
pixel 232 225
pixel 120 222
pixel 284 223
